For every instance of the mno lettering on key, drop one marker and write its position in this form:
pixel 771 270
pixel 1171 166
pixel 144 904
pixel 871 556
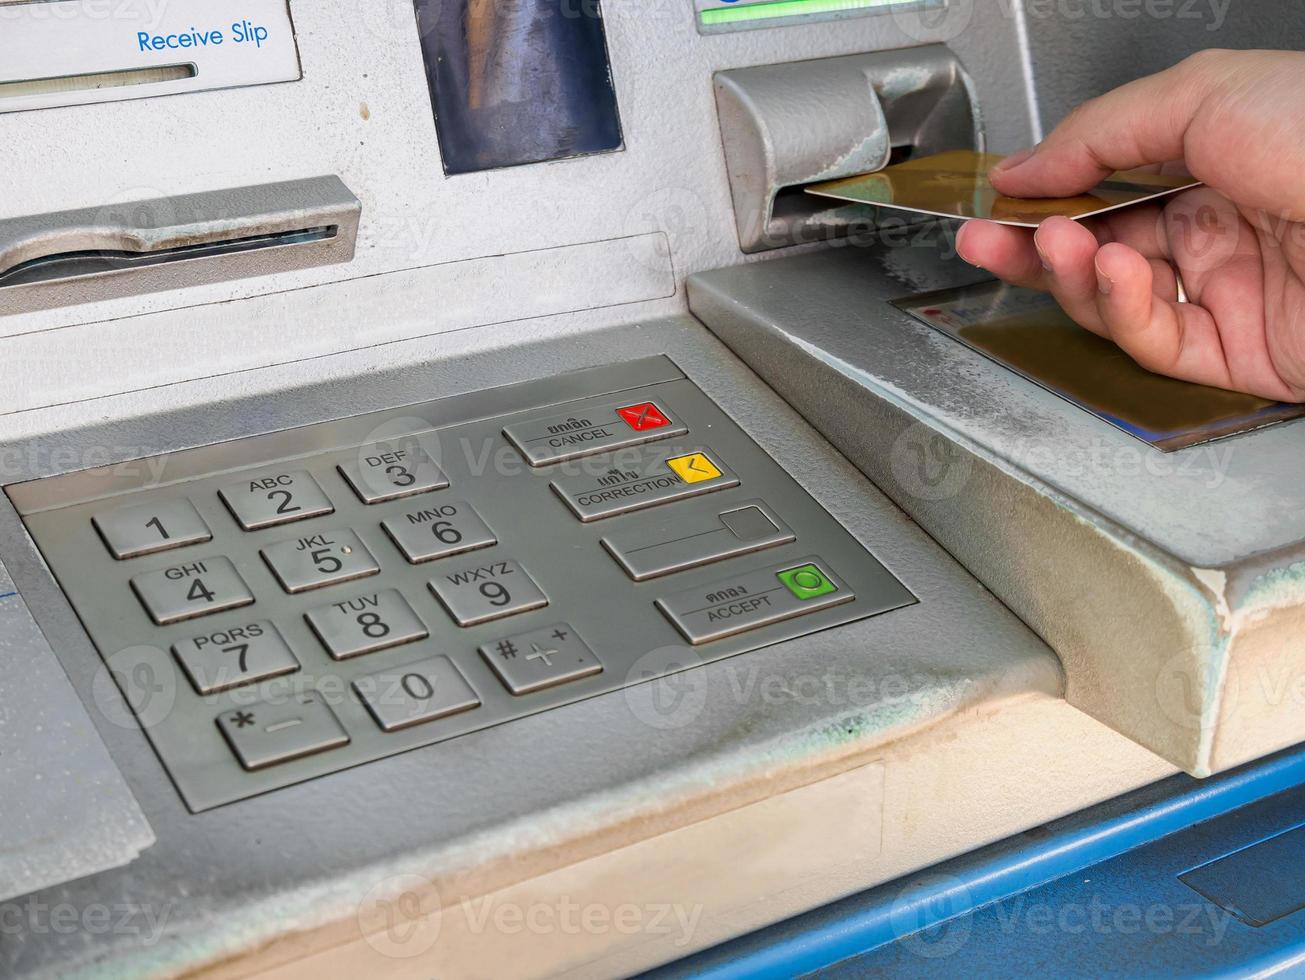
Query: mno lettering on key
pixel 242 32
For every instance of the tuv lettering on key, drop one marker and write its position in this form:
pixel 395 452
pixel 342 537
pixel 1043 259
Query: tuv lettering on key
pixel 362 603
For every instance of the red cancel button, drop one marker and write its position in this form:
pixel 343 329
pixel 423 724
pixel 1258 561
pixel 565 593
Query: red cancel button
pixel 643 417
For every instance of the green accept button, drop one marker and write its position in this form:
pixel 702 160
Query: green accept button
pixel 807 582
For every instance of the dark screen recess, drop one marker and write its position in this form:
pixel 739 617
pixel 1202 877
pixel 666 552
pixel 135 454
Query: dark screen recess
pixel 517 81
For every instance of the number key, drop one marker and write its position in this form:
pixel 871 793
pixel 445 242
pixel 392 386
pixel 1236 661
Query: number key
pixel 318 560
pixel 488 590
pixel 268 499
pixel 387 471
pixel 234 656
pixel 366 623
pixel 197 588
pixel 130 532
pixel 421 692
pixel 438 531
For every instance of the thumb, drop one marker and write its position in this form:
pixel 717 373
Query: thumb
pixel 1142 123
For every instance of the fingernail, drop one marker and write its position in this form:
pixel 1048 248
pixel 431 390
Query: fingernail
pixel 1104 282
pixel 1015 159
pixel 965 258
pixel 1046 262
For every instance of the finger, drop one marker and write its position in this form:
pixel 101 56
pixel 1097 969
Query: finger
pixel 1176 339
pixel 1142 123
pixel 1068 252
pixel 1008 253
pixel 1141 228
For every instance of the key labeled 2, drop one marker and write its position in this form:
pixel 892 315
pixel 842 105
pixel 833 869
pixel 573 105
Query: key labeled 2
pixel 480 592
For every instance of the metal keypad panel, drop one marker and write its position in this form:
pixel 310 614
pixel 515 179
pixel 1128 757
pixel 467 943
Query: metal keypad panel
pixel 290 604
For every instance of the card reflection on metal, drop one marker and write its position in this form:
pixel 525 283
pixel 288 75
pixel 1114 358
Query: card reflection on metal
pixel 955 185
pixel 1028 333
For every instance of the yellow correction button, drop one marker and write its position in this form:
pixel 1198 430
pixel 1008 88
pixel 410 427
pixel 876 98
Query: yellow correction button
pixel 694 468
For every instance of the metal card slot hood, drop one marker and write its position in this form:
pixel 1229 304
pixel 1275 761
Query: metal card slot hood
pixel 784 126
pixel 83 256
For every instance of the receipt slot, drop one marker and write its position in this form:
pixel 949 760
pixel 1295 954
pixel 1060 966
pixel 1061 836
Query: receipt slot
pixel 68 52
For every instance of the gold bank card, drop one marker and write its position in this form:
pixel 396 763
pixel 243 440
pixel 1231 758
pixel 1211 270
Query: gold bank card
pixel 1028 333
pixel 955 185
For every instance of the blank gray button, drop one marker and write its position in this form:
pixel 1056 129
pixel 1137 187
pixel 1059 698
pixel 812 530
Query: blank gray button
pixel 490 590
pixel 417 693
pixel 144 529
pixel 543 658
pixel 197 588
pixel 318 560
pixel 235 655
pixel 388 470
pixel 366 623
pixel 267 499
pixel 438 531
pixel 749 523
pixel 264 734
pixel 677 543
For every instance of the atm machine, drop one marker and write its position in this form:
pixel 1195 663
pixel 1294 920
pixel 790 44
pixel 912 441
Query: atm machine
pixel 468 512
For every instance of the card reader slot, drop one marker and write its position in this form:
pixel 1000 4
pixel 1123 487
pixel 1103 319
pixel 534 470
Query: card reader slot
pixel 95 81
pixel 138 247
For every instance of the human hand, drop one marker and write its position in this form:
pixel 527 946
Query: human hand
pixel 1232 120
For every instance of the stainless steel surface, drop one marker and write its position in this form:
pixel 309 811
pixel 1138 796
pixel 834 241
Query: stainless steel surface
pixel 267 499
pixel 544 558
pixel 787 125
pixel 1165 614
pixel 542 658
pixel 388 471
pixel 234 656
pixel 112 249
pixel 596 428
pixel 485 590
pixel 676 545
pixel 636 479
pixel 412 694
pixel 366 622
pixel 319 559
pixel 130 532
pixel 265 734
pixel 748 601
pixel 438 529
pixel 198 587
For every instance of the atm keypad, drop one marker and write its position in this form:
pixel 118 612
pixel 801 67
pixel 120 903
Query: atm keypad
pixel 317 598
